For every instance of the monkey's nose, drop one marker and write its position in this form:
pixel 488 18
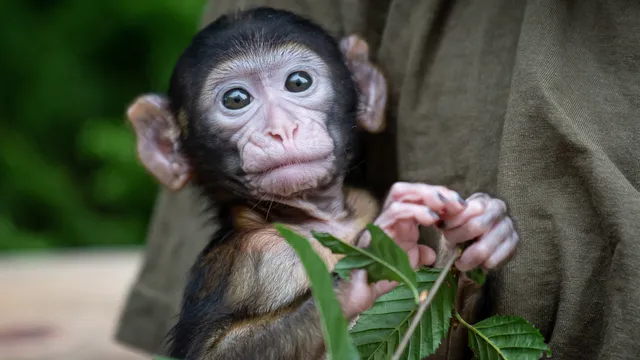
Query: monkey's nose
pixel 285 133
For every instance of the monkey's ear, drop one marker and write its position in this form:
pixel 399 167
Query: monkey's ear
pixel 370 81
pixel 157 140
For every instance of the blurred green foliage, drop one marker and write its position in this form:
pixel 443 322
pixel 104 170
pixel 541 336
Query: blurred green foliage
pixel 69 175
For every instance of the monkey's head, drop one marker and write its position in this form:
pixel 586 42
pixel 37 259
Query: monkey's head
pixel 261 103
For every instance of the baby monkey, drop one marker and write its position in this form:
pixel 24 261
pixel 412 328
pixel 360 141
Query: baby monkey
pixel 262 116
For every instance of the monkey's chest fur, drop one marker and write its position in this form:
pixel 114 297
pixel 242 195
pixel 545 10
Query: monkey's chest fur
pixel 284 279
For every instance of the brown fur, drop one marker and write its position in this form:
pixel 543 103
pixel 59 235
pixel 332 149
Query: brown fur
pixel 259 240
pixel 266 281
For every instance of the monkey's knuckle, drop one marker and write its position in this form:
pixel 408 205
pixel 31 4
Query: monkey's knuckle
pixel 476 226
pixel 490 264
pixel 481 252
pixel 479 195
pixel 398 188
pixel 394 209
pixel 515 238
pixel 500 205
pixel 437 191
pixel 509 224
pixel 422 187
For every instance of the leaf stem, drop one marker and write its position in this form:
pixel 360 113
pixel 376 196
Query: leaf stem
pixel 365 252
pixel 472 328
pixel 425 304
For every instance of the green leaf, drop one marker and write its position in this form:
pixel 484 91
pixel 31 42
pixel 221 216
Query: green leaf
pixel 380 329
pixel 477 275
pixel 383 258
pixel 505 337
pixel 334 326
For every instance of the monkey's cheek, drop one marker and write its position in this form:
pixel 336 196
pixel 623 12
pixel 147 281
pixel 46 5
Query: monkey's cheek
pixel 289 180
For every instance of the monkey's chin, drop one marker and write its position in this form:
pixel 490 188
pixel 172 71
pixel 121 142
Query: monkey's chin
pixel 294 179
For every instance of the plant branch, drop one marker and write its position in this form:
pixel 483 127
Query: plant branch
pixel 424 304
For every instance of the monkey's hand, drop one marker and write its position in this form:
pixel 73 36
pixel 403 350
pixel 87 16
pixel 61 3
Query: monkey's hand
pixel 407 206
pixel 357 295
pixel 485 221
pixel 410 205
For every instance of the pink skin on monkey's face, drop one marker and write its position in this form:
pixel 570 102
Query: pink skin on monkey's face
pixel 274 112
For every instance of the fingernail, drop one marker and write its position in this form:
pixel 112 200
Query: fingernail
pixel 442 198
pixel 433 214
pixel 461 200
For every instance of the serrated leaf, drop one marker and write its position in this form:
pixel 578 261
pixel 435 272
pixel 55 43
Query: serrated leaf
pixel 477 275
pixel 505 338
pixel 334 326
pixel 380 329
pixel 383 258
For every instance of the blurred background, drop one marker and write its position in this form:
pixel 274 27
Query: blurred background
pixel 74 201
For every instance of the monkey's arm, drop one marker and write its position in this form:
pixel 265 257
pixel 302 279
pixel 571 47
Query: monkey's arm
pixel 249 305
pixel 292 333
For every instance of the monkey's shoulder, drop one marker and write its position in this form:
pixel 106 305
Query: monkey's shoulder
pixel 251 271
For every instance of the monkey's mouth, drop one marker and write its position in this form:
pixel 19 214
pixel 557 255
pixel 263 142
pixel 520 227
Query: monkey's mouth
pixel 291 164
pixel 293 176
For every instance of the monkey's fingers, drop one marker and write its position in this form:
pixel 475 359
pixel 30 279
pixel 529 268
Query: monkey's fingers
pixel 383 287
pixel 453 222
pixel 427 256
pixel 437 198
pixel 404 232
pixel 479 217
pixel 355 296
pixel 421 255
pixel 483 249
pixel 400 222
pixel 399 211
pixel 503 253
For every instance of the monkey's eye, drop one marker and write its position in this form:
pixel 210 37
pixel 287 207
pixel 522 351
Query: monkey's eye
pixel 236 99
pixel 298 81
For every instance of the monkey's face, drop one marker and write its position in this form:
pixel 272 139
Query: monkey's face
pixel 273 113
pixel 261 103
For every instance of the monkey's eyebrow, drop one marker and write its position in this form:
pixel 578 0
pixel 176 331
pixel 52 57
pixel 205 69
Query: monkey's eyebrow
pixel 257 62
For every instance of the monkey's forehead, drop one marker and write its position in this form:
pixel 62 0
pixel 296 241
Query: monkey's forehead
pixel 257 60
pixel 257 41
pixel 255 36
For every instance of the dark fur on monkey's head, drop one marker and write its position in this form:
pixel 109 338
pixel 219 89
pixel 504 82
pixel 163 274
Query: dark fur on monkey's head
pixel 262 103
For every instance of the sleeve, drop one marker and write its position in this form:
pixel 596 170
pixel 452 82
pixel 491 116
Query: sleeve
pixel 569 167
pixel 178 231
